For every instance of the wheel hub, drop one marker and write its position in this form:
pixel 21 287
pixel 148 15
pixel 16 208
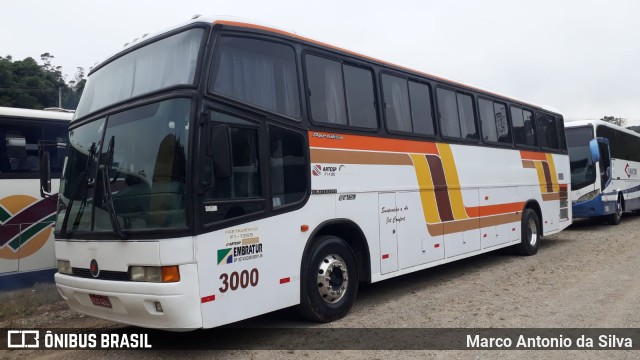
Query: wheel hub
pixel 333 278
pixel 532 232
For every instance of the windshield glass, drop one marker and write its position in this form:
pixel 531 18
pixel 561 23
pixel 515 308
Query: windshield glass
pixel 583 171
pixel 159 65
pixel 132 164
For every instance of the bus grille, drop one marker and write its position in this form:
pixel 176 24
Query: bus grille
pixel 103 275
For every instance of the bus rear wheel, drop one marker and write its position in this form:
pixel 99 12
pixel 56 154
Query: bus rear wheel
pixel 614 219
pixel 531 234
pixel 330 280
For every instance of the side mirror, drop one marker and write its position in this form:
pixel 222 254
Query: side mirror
pixel 219 150
pixel 595 150
pixel 45 174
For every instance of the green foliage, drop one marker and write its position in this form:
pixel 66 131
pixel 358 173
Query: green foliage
pixel 615 120
pixel 27 84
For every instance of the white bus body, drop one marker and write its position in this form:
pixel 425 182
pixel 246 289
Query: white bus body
pixel 304 211
pixel 26 232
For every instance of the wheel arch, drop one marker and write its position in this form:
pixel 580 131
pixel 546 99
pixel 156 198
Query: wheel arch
pixel 535 206
pixel 352 234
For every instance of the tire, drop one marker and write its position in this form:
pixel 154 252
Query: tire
pixel 531 234
pixel 327 298
pixel 614 219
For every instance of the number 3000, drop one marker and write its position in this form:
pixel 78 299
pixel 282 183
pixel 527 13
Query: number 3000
pixel 244 279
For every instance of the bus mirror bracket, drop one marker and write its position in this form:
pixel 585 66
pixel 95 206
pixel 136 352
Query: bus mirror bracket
pixel 219 150
pixel 45 174
pixel 595 150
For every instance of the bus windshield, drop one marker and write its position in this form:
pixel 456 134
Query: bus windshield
pixel 127 171
pixel 583 171
pixel 165 63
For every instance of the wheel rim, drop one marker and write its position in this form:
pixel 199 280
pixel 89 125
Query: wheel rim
pixel 532 232
pixel 618 209
pixel 333 278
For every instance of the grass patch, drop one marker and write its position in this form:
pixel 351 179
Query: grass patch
pixel 25 302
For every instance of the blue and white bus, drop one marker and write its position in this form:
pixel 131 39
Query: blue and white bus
pixel 604 169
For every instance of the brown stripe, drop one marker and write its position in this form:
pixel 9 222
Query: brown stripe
pixel 440 184
pixel 500 219
pixel 528 164
pixel 547 176
pixel 551 196
pixel 358 157
pixel 472 224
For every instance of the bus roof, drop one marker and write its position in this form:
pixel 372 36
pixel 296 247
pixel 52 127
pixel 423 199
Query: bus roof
pixel 257 26
pixel 35 114
pixel 594 123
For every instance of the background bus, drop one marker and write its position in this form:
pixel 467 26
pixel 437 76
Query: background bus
pixel 610 184
pixel 275 171
pixel 26 233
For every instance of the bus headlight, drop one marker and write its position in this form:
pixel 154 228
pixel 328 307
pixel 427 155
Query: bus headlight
pixel 154 273
pixel 64 267
pixel 588 196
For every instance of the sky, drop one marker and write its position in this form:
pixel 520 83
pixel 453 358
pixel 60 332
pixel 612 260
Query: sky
pixel 581 57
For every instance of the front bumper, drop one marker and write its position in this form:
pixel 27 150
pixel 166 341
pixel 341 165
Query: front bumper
pixel 134 302
pixel 593 207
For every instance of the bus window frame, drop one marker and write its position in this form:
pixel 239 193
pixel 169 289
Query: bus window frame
pixel 417 80
pixel 555 122
pixel 342 60
pixel 452 139
pixel 42 123
pixel 263 126
pixel 210 73
pixel 509 124
pixel 535 147
pixel 197 77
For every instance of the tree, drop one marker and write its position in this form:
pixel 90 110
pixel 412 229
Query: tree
pixel 615 120
pixel 26 84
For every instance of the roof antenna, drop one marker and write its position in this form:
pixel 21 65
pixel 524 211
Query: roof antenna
pixel 195 16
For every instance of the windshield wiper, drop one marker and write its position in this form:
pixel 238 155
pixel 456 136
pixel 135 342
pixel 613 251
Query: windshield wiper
pixel 106 191
pixel 82 178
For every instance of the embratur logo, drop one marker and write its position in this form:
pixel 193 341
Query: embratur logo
pixel 225 256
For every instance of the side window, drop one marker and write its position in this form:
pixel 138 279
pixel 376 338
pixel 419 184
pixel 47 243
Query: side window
pixel 287 166
pixel 241 193
pixel 493 117
pixel 325 90
pixel 547 131
pixel 523 127
pixel 340 94
pixel 396 103
pixel 421 112
pixel 257 72
pixel 407 105
pixel 55 142
pixel 19 147
pixel 456 115
pixel 561 136
pixel 361 102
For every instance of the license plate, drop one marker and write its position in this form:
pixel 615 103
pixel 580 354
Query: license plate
pixel 99 300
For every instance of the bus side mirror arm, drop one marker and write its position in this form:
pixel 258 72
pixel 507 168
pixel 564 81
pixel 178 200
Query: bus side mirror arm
pixel 219 150
pixel 45 175
pixel 595 150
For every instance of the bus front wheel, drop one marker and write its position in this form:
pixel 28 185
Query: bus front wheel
pixel 614 219
pixel 330 280
pixel 531 233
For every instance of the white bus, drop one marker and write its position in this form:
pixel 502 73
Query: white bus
pixel 26 231
pixel 605 159
pixel 222 170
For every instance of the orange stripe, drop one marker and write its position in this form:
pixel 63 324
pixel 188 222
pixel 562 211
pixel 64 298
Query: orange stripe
pixel 359 142
pixel 498 209
pixel 531 155
pixel 316 42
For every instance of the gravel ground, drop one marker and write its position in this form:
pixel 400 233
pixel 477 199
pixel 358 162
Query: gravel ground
pixel 583 277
